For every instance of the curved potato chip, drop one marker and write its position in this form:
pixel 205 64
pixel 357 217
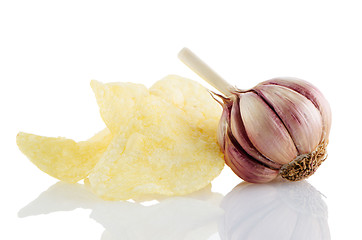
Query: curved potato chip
pixel 164 142
pixel 188 95
pixel 117 102
pixel 192 98
pixel 160 152
pixel 64 158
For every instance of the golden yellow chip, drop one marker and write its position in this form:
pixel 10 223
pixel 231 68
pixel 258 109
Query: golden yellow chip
pixel 161 141
pixel 64 158
pixel 117 102
pixel 161 152
pixel 70 161
pixel 194 99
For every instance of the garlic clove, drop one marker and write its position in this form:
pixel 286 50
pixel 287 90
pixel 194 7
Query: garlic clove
pixel 312 93
pixel 265 129
pixel 224 121
pixel 222 127
pixel 239 132
pixel 245 166
pixel 301 118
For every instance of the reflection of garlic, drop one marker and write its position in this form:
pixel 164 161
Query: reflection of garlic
pixel 278 210
pixel 279 127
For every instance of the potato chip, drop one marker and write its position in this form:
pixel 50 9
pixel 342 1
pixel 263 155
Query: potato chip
pixel 117 102
pixel 64 158
pixel 70 161
pixel 161 151
pixel 160 141
pixel 194 99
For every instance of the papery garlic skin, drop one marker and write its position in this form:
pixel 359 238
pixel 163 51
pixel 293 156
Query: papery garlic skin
pixel 280 127
pixel 312 93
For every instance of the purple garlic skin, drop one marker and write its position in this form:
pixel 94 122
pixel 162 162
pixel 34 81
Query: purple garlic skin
pixel 278 128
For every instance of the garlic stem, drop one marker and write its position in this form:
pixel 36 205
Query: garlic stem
pixel 205 72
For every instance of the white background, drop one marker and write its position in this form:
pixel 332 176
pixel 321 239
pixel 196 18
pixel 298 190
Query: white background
pixel 50 50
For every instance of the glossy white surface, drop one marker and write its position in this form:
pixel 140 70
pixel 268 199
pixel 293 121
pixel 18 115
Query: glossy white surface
pixel 278 210
pixel 49 52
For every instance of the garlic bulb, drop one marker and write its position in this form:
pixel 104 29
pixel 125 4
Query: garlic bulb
pixel 278 128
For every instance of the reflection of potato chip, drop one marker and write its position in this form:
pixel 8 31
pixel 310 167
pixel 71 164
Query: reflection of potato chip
pixel 64 158
pixel 161 152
